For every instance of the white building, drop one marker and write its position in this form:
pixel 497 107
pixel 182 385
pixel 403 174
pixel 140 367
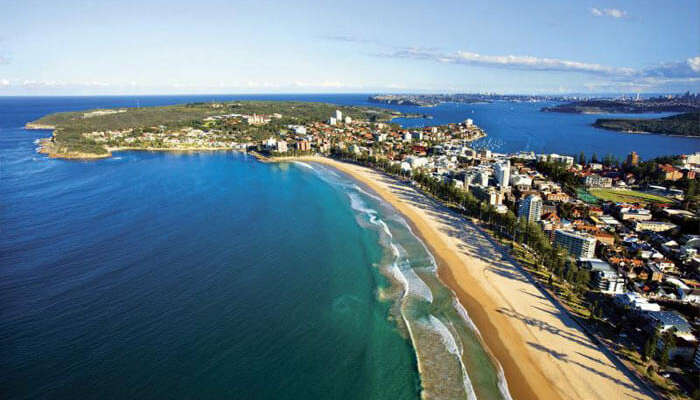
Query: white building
pixel 637 302
pixel 332 121
pixel 520 180
pixel 380 137
pixel 338 115
pixel 604 277
pixel 501 171
pixel 579 245
pixel 417 162
pixel 282 146
pixel 530 208
pixel 482 178
pixel 270 143
pixel 348 120
pixel 298 129
pixel 595 180
pixel 566 160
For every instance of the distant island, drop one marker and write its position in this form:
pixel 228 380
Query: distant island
pixel 430 100
pixel 684 103
pixel 194 126
pixel 687 124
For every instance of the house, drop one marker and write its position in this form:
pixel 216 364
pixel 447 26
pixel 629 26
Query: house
pixel 670 173
pixel 557 197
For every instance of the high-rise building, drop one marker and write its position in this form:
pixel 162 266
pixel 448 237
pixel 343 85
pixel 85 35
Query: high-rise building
pixel 632 159
pixel 338 115
pixel 502 172
pixel 482 178
pixel 579 245
pixel 530 208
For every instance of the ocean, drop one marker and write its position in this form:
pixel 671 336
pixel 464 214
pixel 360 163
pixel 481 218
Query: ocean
pixel 212 275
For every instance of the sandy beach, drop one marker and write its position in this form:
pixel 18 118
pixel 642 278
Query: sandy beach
pixel 543 352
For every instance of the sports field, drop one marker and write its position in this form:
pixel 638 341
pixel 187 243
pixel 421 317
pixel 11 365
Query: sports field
pixel 627 196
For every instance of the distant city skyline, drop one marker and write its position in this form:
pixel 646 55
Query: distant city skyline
pixel 210 47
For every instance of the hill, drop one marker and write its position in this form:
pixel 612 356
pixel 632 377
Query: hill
pixel 78 134
pixel 687 124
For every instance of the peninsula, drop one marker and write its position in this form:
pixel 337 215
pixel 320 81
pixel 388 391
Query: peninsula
pixel 687 124
pixel 262 126
pixel 430 100
pixel 670 103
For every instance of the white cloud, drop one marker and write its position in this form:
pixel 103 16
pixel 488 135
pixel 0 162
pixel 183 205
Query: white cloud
pixel 608 12
pixel 30 83
pixel 694 63
pixel 532 63
pixel 4 82
pixel 690 68
pixel 508 61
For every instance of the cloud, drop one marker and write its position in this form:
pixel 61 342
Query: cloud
pixel 690 68
pixel 347 39
pixel 507 61
pixel 54 84
pixel 4 60
pixel 609 12
pixel 681 69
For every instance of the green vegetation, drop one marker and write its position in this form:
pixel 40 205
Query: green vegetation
pixel 559 172
pixel 70 126
pixel 683 124
pixel 604 106
pixel 627 196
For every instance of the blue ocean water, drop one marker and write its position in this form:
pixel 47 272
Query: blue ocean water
pixel 209 275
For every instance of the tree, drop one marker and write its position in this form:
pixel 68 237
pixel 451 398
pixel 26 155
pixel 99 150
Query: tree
pixel 690 194
pixel 650 345
pixel 582 159
pixel 664 357
pixel 669 341
pixel 594 158
pixel 648 349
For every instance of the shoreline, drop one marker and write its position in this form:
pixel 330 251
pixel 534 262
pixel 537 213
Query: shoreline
pixel 543 353
pixel 517 384
pixel 47 147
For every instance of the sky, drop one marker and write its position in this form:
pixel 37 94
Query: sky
pixel 206 46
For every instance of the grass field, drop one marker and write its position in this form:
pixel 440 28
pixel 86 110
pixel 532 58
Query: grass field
pixel 628 196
